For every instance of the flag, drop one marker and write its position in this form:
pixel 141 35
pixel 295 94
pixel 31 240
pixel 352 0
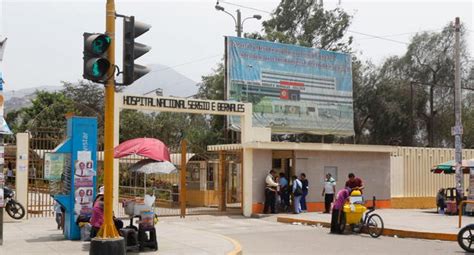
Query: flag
pixel 2 48
pixel 284 94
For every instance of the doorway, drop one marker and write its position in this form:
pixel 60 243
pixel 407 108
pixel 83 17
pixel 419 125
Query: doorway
pixel 284 162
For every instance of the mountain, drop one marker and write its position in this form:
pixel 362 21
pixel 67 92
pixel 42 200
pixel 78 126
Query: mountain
pixel 166 78
pixel 161 77
pixel 17 99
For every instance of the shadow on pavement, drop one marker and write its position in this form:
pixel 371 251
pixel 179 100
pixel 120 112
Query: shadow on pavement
pixel 86 246
pixel 56 237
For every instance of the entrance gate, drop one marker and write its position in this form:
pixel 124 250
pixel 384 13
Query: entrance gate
pixel 207 182
pixel 40 202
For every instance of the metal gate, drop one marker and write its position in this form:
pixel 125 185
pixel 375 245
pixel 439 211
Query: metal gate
pixel 201 175
pixel 42 140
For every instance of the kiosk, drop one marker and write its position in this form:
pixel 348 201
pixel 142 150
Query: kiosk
pixel 73 165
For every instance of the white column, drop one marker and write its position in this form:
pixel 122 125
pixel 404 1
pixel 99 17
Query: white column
pixel 246 124
pixel 247 182
pixel 22 148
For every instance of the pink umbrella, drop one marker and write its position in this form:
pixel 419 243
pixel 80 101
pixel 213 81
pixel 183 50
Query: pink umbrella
pixel 146 147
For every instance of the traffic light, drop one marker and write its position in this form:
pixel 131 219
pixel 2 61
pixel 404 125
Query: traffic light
pixel 132 50
pixel 96 64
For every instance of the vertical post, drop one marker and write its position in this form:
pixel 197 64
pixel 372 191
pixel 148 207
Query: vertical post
pixel 108 240
pixel 182 179
pixel 238 25
pixel 117 108
pixel 242 169
pixel 457 111
pixel 247 185
pixel 108 229
pixel 21 177
pixel 2 178
pixel 222 198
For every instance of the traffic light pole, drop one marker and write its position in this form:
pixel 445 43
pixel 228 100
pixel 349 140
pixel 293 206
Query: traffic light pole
pixel 108 241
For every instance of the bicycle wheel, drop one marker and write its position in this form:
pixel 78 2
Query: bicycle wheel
pixel 466 238
pixel 374 225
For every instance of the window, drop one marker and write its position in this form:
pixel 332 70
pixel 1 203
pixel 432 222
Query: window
pixel 276 163
pixel 331 170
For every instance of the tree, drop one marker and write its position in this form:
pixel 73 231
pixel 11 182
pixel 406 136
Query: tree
pixel 171 128
pixel 427 71
pixel 87 94
pixel 48 109
pixel 307 23
pixel 212 87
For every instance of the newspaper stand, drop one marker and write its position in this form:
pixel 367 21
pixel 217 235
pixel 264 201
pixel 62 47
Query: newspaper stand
pixel 78 175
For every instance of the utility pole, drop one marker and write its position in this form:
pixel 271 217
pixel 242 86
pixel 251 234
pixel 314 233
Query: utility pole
pixel 458 130
pixel 238 24
pixel 108 241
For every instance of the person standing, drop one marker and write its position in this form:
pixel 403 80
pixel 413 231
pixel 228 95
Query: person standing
pixel 297 194
pixel 10 178
pixel 270 192
pixel 338 215
pixel 284 193
pixel 329 190
pixel 354 183
pixel 305 184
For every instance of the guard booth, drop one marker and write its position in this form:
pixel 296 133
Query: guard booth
pixel 71 170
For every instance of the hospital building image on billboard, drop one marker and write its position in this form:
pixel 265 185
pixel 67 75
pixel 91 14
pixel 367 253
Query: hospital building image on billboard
pixel 293 89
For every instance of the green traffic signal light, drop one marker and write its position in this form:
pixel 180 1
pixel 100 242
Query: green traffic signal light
pixel 96 63
pixel 100 44
pixel 98 67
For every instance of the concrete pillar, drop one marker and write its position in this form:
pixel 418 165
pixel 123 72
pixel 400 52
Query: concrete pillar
pixel 246 124
pixel 22 149
pixel 247 181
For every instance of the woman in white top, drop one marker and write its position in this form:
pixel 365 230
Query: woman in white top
pixel 328 192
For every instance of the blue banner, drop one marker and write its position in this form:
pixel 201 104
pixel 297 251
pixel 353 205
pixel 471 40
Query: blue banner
pixel 293 89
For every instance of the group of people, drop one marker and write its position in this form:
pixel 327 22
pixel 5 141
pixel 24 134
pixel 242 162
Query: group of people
pixel 278 192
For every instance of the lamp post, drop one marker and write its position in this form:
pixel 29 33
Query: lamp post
pixel 239 23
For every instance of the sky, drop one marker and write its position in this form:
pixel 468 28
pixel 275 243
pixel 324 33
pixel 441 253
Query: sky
pixel 45 37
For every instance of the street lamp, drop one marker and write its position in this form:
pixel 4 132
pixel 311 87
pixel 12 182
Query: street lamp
pixel 239 23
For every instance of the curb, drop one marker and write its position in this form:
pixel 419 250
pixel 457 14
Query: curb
pixel 386 231
pixel 237 247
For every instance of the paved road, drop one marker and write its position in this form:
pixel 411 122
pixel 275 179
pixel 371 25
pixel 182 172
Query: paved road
pixel 265 236
pixel 204 235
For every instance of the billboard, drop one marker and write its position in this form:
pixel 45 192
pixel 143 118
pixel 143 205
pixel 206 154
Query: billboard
pixel 293 89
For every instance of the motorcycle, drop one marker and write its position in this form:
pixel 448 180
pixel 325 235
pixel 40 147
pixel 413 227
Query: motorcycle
pixel 13 208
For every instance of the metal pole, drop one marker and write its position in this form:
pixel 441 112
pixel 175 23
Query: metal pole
pixel 182 177
pixel 457 111
pixel 222 198
pixel 108 229
pixel 238 24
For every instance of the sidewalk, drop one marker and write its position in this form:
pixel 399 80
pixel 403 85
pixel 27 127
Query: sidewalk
pixel 405 221
pixel 40 236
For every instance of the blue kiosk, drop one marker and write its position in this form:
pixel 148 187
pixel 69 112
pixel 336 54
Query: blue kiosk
pixel 79 155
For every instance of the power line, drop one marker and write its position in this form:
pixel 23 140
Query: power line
pixel 355 32
pixel 186 63
pixel 401 34
pixel 378 37
pixel 245 7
